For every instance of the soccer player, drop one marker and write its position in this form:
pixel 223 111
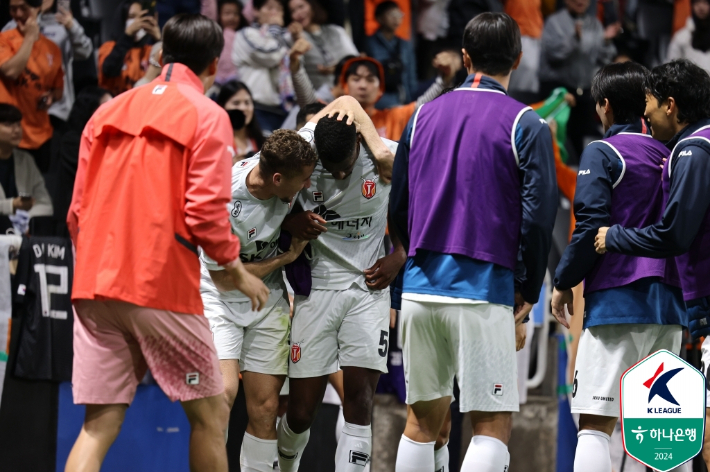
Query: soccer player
pixel 678 107
pixel 256 342
pixel 474 187
pixel 152 185
pixel 344 322
pixel 630 308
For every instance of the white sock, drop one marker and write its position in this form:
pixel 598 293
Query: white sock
pixel 441 459
pixel 354 448
pixel 290 446
pixel 339 424
pixel 592 453
pixel 486 454
pixel 257 455
pixel 414 456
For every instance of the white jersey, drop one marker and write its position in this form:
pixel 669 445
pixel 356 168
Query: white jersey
pixel 356 211
pixel 257 224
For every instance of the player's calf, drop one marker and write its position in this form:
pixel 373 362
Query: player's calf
pixel 592 454
pixel 488 451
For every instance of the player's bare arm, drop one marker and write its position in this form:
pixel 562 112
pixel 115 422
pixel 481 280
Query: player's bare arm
pixel 347 105
pixel 260 269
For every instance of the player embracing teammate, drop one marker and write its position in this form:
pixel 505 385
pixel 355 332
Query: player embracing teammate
pixel 633 306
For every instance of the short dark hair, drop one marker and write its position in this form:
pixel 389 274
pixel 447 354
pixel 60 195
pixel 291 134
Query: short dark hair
pixel 320 15
pixel 287 153
pixel 492 41
pixel 355 65
pixel 34 3
pixel 310 109
pixel 242 19
pixel 688 84
pixel 193 40
pixel 623 85
pixel 9 113
pixel 335 139
pixel 384 7
pixel 258 4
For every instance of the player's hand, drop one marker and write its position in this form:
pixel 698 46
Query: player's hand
pixel 521 332
pixel 64 18
pixel 521 308
pixel 448 63
pixel 600 240
pixel 560 298
pixel 385 270
pixel 299 48
pixel 30 30
pixel 250 285
pixel 138 24
pixel 305 225
pixel 297 246
pixel 19 203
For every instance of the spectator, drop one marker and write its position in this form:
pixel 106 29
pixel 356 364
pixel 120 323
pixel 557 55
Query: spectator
pixel 574 46
pixel 330 42
pixel 122 63
pixel 524 84
pixel 87 102
pixel 396 56
pixel 59 26
pixel 248 137
pixel 433 28
pixel 693 41
pixel 31 78
pixel 259 53
pixel 231 19
pixel 364 78
pixel 21 184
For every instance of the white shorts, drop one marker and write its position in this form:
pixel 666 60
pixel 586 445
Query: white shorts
pixel 605 352
pixel 474 342
pixel 332 328
pixel 258 339
pixel 705 367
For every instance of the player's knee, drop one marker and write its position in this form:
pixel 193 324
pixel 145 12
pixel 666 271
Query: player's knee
pixel 230 394
pixel 605 424
pixel 212 416
pixel 264 411
pixel 105 428
pixel 443 437
pixel 299 418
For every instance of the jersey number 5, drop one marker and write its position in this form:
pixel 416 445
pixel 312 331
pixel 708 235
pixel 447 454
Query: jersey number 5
pixel 384 343
pixel 46 290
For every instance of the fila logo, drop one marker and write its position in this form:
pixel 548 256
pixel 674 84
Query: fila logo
pixel 584 172
pixel 498 390
pixel 243 163
pixel 685 153
pixel 359 458
pixel 193 378
pixel 317 196
pixel 251 233
pixel 159 89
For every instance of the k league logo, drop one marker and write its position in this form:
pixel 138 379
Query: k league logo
pixel 662 411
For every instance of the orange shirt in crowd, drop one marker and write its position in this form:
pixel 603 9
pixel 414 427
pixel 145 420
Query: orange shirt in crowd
pixel 681 13
pixel 135 64
pixel 43 73
pixel 528 15
pixel 390 123
pixel 371 25
pixel 153 183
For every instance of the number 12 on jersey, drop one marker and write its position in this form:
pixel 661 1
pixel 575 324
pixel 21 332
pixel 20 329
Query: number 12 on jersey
pixel 46 290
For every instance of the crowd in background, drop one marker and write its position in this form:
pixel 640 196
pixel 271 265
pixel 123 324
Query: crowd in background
pixel 59 61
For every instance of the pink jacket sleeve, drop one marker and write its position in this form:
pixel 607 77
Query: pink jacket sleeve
pixel 208 189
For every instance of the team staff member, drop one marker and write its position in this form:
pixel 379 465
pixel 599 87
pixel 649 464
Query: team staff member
pixel 630 309
pixel 460 298
pixel 678 107
pixel 152 185
pixel 31 78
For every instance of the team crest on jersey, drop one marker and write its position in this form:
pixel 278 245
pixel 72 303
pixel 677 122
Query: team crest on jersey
pixel 251 233
pixel 318 196
pixel 295 352
pixel 369 188
pixel 236 209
